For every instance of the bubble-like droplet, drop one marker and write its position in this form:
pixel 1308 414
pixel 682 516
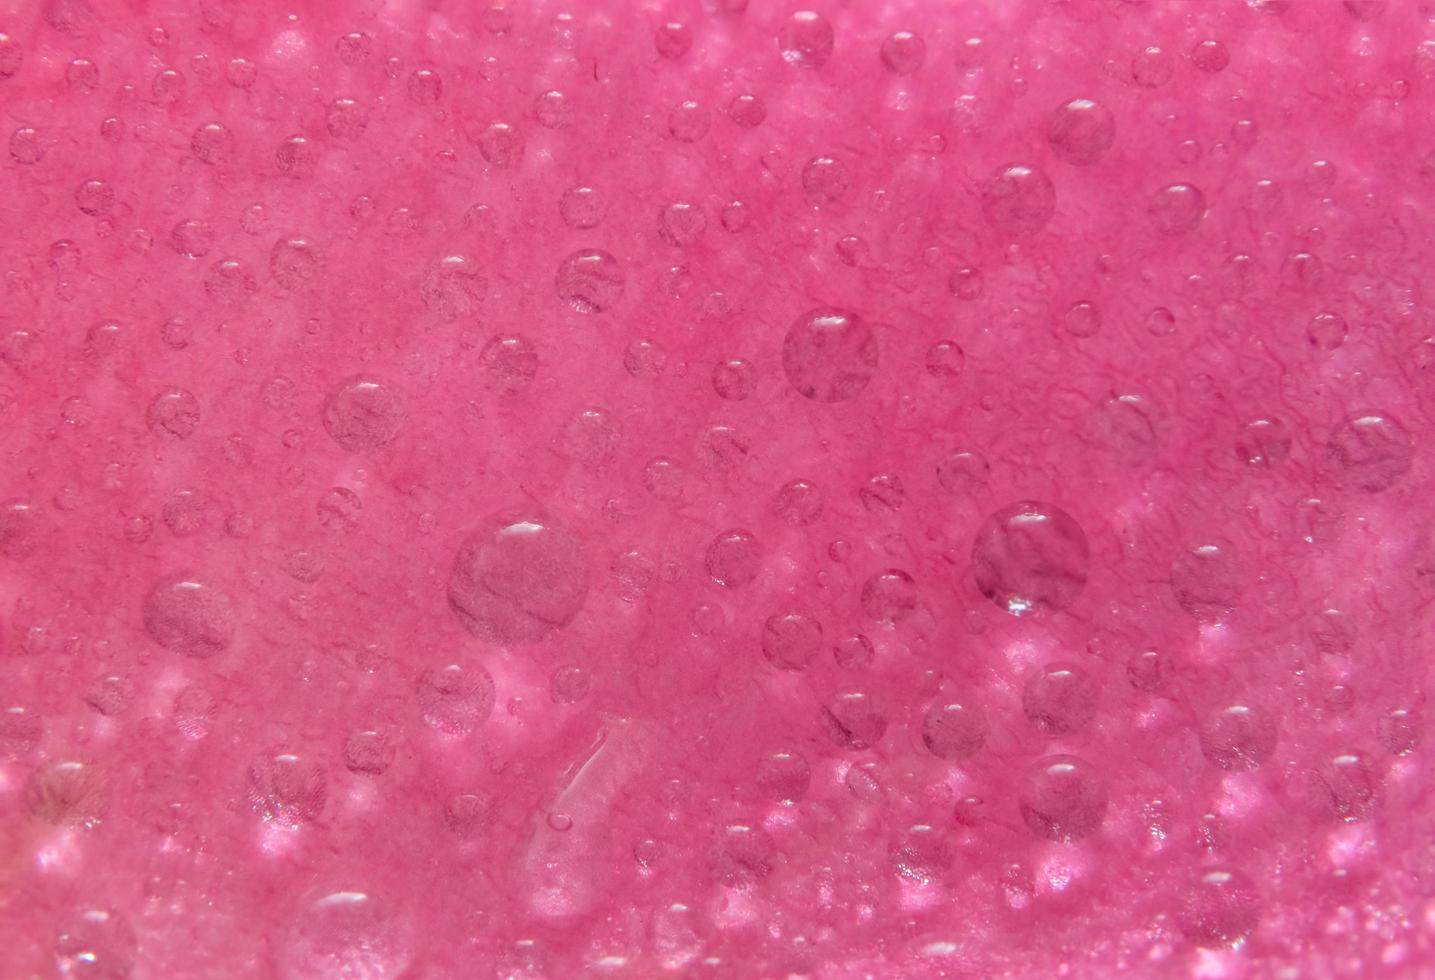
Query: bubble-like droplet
pixel 689 121
pixel 945 360
pixel 346 936
pixel 1370 452
pixel 889 596
pixel 363 414
pixel 854 720
pixel 229 282
pixel 190 617
pixel 455 699
pixel 12 56
pixel 425 87
pixel 852 651
pixel 293 262
pixel 954 731
pixel 1031 557
pixel 829 355
pixel 212 143
pixel 174 412
pixel 824 181
pixel 287 789
pixel 95 944
pixel 798 503
pixel 1326 331
pixel 1063 799
pixel 673 39
pixel 67 794
pixel 368 753
pixel 1146 670
pixel 192 238
pixel 1081 131
pixel 509 364
pixel 1152 67
pixel 747 111
pixel 903 52
pixel 805 40
pixel 111 695
pixel 1210 56
pixel 1208 580
pixel 518 578
pixel 963 472
pixel 501 144
pixel 682 223
pixel 1263 443
pixel 733 379
pixel 784 776
pixel 734 558
pixel 346 119
pixel 582 208
pixel 1239 737
pixel 745 853
pixel 1220 908
pixel 95 198
pixel 1059 699
pixel 1082 319
pixel 570 684
pixel 553 109
pixel 1177 209
pixel 1018 200
pixel 791 639
pixel 590 281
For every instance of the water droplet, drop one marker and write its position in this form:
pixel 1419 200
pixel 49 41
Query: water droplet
pixel 96 944
pixel 1210 56
pixel 946 360
pixel 368 753
pixel 747 111
pixel 689 121
pixel 798 503
pixel 954 731
pixel 824 181
pixel 1326 331
pixel 791 640
pixel 346 935
pixel 682 223
pixel 582 208
pixel 1177 209
pixel 1239 737
pixel 67 794
pixel 570 684
pixel 784 776
pixel 1059 699
pixel 733 379
pixel 854 720
pixel 287 789
pixel 1082 320
pixel 590 281
pixel 1031 557
pixel 829 355
pixel 852 651
pixel 425 87
pixel 455 699
pixel 673 39
pixel 518 578
pixel 903 52
pixel 189 616
pixel 1152 67
pixel 363 415
pixel 346 119
pixel 805 40
pixel 1264 443
pixel 1063 799
pixel 1370 452
pixel 890 596
pixel 734 559
pixel 1220 908
pixel 1081 131
pixel 1018 200
pixel 1208 580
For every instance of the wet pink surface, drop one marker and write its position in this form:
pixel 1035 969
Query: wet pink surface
pixel 525 490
